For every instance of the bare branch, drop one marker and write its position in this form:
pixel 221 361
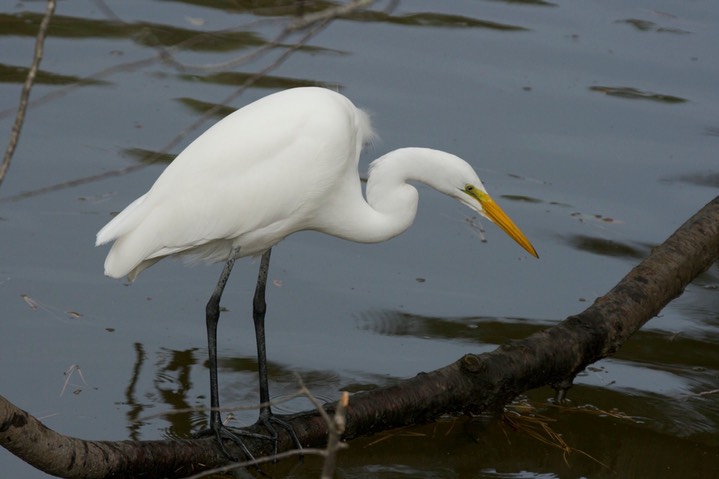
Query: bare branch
pixel 25 93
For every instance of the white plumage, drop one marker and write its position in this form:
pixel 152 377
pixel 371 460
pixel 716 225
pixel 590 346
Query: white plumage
pixel 285 163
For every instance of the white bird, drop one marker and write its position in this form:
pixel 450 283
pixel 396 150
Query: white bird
pixel 285 163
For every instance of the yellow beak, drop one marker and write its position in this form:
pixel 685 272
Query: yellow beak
pixel 498 216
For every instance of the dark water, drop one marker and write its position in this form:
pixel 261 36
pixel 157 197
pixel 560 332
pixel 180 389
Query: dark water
pixel 594 123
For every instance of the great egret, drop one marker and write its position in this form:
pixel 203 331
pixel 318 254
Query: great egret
pixel 285 163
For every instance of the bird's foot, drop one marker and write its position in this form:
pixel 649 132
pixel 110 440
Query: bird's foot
pixel 269 421
pixel 224 433
pixel 234 435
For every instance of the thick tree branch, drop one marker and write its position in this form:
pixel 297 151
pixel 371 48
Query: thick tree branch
pixel 471 384
pixel 64 456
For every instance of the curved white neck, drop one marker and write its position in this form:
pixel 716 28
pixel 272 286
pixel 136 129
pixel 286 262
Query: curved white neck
pixel 391 204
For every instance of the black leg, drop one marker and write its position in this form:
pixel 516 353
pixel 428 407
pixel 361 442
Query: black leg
pixel 259 307
pixel 212 317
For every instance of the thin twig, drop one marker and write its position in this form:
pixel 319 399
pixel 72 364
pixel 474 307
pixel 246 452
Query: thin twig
pixel 328 14
pixel 68 375
pixel 700 394
pixel 336 428
pixel 27 86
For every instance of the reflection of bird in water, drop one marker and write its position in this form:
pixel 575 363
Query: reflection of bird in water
pixel 285 163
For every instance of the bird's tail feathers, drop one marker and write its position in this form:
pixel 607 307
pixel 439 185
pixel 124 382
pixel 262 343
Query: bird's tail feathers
pixel 121 224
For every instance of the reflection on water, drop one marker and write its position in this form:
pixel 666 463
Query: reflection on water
pixel 143 33
pixel 648 26
pixel 147 156
pixel 171 385
pixel 672 406
pixel 601 445
pixel 175 398
pixel 445 21
pixel 17 74
pixel 707 178
pixel 478 330
pixel 636 94
pixel 663 418
pixel 267 81
pixel 607 247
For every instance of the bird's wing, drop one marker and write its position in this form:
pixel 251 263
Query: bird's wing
pixel 250 180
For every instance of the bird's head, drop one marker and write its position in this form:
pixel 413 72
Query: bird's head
pixel 446 173
pixel 476 197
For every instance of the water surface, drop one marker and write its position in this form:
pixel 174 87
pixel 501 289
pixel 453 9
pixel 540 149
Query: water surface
pixel 593 123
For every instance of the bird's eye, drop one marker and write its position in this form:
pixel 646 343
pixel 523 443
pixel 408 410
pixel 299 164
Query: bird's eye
pixel 468 188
